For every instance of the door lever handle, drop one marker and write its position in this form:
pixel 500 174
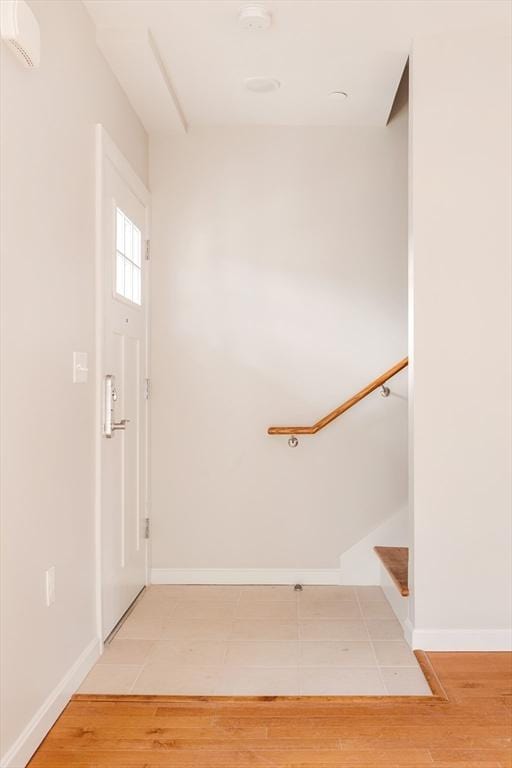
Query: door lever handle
pixel 110 397
pixel 120 424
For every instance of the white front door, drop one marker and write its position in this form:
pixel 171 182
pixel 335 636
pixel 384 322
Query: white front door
pixel 124 371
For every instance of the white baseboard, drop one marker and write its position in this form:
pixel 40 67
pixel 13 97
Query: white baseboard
pixel 319 576
pixel 34 732
pixel 458 639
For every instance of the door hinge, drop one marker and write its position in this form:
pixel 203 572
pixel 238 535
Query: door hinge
pixel 146 527
pixel 147 388
pixel 148 250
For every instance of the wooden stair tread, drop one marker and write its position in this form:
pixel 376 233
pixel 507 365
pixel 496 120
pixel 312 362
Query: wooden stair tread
pixel 396 562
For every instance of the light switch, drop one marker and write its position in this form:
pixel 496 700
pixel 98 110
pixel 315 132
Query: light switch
pixel 80 367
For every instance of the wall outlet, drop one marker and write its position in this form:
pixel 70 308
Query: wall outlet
pixel 50 586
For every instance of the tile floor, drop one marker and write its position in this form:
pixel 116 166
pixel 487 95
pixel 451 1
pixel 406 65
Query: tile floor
pixel 266 640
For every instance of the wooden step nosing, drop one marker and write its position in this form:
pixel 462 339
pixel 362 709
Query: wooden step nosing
pixel 402 588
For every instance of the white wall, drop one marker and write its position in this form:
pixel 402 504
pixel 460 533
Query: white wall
pixel 359 565
pixel 279 289
pixel 461 341
pixel 48 118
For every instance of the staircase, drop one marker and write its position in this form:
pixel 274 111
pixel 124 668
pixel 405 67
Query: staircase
pixel 396 562
pixel 394 578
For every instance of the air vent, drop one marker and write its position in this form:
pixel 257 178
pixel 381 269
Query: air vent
pixel 20 31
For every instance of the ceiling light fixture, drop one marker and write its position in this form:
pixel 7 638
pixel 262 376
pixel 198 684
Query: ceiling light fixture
pixel 254 17
pixel 262 84
pixel 338 95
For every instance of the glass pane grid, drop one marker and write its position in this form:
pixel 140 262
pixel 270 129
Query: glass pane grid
pixel 128 259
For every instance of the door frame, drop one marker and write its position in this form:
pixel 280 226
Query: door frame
pixel 107 151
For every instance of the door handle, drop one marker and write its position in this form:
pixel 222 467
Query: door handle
pixel 109 398
pixel 120 424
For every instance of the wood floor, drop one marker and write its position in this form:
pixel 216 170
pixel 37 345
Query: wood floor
pixel 468 722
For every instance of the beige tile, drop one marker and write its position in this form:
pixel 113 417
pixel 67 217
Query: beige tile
pixel 334 653
pixel 377 610
pixel 273 609
pixel 264 629
pixel 110 678
pixel 197 629
pixel 405 682
pixel 161 592
pixel 394 653
pixel 168 679
pixel 195 652
pixel 332 629
pixel 223 593
pixel 328 608
pixel 261 653
pixel 126 651
pixel 332 681
pixel 384 629
pixel 153 610
pixel 370 594
pixel 202 609
pixel 320 593
pixel 142 627
pixel 281 593
pixel 258 681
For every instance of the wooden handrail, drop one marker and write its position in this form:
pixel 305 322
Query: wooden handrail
pixel 342 408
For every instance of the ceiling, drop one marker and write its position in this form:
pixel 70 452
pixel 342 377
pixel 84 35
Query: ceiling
pixel 183 62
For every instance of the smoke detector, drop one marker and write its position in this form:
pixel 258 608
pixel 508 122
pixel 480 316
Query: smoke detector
pixel 254 17
pixel 20 30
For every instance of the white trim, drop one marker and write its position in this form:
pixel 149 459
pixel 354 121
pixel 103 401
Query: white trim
pixel 167 80
pixel 327 576
pixel 458 639
pixel 111 151
pixel 35 731
pixel 106 149
pixel 408 630
pixel 399 604
pixel 98 316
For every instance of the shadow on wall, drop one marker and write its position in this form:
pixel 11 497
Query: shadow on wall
pixel 401 100
pixel 236 497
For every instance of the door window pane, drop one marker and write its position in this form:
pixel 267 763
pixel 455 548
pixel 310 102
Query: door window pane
pixel 128 238
pixel 136 286
pixel 119 274
pixel 120 231
pixel 128 279
pixel 136 250
pixel 128 259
